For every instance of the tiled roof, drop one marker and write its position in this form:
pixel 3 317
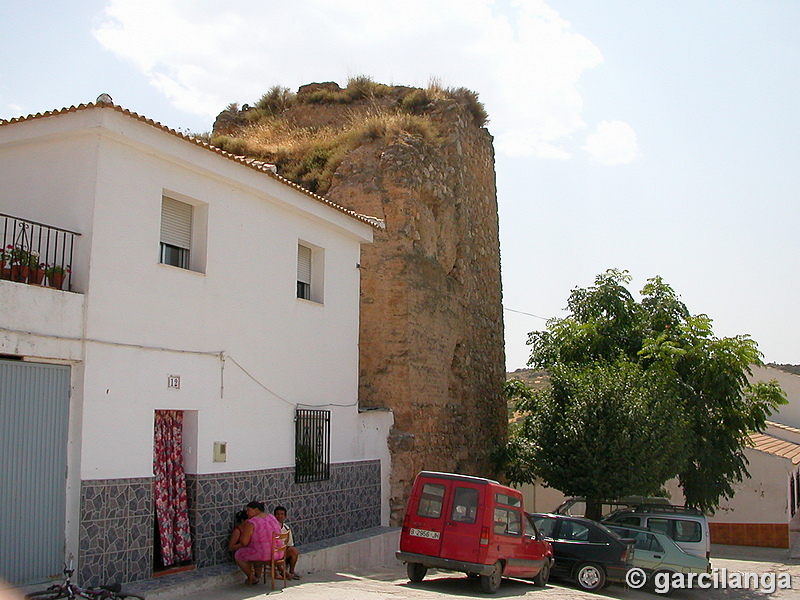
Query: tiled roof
pixel 257 165
pixel 784 427
pixel 776 447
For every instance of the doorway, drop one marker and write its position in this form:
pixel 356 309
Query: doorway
pixel 172 538
pixel 34 422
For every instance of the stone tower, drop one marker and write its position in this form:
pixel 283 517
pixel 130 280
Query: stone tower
pixel 431 332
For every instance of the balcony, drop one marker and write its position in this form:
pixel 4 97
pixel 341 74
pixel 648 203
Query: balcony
pixel 36 254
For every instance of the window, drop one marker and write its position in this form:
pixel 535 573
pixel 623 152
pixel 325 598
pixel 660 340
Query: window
pixel 465 505
pixel 176 233
pixel 507 521
pixel 303 272
pixel 545 525
pixel 530 528
pixel 628 520
pixel 687 531
pixel 430 501
pixel 572 530
pixel 507 500
pixel 310 271
pixel 312 445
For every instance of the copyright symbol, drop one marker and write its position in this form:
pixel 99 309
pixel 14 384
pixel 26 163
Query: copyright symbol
pixel 635 578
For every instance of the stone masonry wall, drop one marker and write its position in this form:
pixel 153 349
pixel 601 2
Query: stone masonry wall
pixel 431 338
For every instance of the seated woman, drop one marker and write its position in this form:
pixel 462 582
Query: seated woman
pixel 256 539
pixel 234 542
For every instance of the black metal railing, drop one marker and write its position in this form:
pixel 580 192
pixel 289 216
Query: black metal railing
pixel 312 445
pixel 35 253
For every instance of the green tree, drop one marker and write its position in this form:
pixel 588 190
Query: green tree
pixel 640 392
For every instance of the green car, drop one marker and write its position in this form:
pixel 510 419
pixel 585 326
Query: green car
pixel 657 553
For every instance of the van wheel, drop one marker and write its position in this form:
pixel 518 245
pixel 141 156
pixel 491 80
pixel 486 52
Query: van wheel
pixel 491 583
pixel 416 571
pixel 542 576
pixel 590 577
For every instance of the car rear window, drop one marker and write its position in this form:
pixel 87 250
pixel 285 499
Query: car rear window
pixel 430 501
pixel 644 541
pixel 465 505
pixel 572 530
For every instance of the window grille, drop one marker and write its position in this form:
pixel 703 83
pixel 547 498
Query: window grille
pixel 176 232
pixel 304 272
pixel 312 445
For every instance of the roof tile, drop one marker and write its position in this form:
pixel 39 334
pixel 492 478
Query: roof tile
pixel 257 165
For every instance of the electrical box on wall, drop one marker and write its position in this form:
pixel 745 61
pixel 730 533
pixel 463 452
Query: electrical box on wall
pixel 220 451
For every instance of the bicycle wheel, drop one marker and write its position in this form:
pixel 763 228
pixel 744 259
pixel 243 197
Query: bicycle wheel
pixel 122 596
pixel 48 595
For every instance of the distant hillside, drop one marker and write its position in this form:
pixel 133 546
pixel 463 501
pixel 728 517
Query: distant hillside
pixel 793 369
pixel 531 377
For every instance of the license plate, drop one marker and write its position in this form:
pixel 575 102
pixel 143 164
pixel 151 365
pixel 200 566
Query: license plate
pixel 423 533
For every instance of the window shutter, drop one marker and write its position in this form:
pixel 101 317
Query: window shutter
pixel 304 264
pixel 176 223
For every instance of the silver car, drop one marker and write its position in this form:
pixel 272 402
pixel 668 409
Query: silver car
pixel 657 553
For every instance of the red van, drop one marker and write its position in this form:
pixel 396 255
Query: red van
pixel 470 524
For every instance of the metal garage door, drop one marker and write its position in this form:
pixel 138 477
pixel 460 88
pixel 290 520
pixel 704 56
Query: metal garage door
pixel 34 411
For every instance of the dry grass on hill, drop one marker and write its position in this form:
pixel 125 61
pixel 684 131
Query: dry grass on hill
pixel 281 127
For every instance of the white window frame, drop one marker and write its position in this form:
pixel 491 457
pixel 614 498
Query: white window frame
pixel 183 227
pixel 310 272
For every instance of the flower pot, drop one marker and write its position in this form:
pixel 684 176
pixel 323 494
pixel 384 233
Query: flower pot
pixel 5 270
pixel 36 276
pixel 19 273
pixel 56 280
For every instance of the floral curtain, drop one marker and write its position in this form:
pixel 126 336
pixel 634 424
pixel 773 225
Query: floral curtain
pixel 172 511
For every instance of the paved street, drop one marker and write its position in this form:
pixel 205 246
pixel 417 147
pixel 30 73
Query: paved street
pixel 391 582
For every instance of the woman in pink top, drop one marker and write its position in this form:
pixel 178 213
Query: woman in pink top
pixel 255 542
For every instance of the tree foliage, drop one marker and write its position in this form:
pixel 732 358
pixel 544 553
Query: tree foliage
pixel 641 391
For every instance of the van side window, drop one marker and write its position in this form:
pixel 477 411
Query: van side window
pixel 507 521
pixel 465 505
pixel 687 531
pixel 627 520
pixel 430 501
pixel 660 525
pixel 507 500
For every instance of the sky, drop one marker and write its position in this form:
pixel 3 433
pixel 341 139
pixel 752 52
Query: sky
pixel 658 137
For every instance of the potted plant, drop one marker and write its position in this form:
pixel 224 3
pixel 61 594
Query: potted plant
pixel 36 272
pixel 56 275
pixel 21 260
pixel 5 263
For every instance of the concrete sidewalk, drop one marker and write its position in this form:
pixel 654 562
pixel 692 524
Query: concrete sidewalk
pixel 364 549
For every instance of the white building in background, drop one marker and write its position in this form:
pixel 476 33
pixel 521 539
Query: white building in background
pixel 201 284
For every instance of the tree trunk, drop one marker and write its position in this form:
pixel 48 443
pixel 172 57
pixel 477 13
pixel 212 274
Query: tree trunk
pixel 594 509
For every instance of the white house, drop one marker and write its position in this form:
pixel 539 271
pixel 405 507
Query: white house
pixel 210 320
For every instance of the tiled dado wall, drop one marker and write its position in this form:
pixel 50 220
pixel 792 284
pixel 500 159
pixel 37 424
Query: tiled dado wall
pixel 771 535
pixel 116 530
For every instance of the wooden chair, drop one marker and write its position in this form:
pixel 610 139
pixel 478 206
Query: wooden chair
pixel 279 541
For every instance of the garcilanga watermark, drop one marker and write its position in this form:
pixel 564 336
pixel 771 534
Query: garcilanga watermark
pixel 664 581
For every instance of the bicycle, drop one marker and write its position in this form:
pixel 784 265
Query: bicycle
pixel 71 591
